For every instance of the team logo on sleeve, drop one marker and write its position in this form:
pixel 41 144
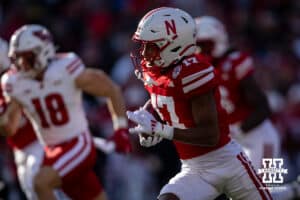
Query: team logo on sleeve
pixel 176 71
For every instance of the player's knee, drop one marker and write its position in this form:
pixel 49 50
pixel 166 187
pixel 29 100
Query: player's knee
pixel 45 179
pixel 168 196
pixel 39 183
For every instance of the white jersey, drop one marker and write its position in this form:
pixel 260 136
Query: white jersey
pixel 53 105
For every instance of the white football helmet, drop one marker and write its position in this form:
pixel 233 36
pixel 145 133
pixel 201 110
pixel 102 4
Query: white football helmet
pixel 4 59
pixel 34 39
pixel 172 30
pixel 211 29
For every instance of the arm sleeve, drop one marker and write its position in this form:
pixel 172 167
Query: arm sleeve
pixel 74 66
pixel 243 67
pixel 198 79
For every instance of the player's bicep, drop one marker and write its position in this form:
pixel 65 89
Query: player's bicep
pixel 252 93
pixel 206 131
pixel 94 82
pixel 205 115
pixel 204 109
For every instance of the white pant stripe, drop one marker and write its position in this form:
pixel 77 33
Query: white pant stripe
pixel 66 169
pixel 70 154
pixel 252 171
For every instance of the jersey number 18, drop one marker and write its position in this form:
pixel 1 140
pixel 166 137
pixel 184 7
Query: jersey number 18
pixel 55 108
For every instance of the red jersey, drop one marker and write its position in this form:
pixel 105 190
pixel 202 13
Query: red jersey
pixel 233 68
pixel 25 134
pixel 171 93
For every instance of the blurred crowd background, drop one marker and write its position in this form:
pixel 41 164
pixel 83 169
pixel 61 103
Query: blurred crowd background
pixel 100 32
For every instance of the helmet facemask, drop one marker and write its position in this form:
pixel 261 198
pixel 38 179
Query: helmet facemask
pixel 26 63
pixel 147 53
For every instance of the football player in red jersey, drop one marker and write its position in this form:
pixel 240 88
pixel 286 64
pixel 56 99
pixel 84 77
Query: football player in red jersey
pixel 184 92
pixel 48 86
pixel 245 103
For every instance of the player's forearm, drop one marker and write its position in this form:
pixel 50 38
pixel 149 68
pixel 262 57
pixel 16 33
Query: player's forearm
pixel 203 136
pixel 6 130
pixel 97 83
pixel 205 116
pixel 255 118
pixel 255 97
pixel 9 120
pixel 3 125
pixel 260 112
pixel 116 106
pixel 3 131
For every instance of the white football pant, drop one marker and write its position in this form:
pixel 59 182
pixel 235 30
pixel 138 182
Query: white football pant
pixel 261 142
pixel 28 162
pixel 225 170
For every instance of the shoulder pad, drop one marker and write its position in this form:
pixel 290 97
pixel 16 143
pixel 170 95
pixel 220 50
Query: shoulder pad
pixel 197 77
pixel 9 77
pixel 195 65
pixel 237 57
pixel 8 81
pixel 242 64
pixel 68 63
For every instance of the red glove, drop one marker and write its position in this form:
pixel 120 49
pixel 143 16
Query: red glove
pixel 121 139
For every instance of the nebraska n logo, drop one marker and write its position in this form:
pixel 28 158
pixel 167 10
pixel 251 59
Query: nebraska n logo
pixel 272 170
pixel 171 27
